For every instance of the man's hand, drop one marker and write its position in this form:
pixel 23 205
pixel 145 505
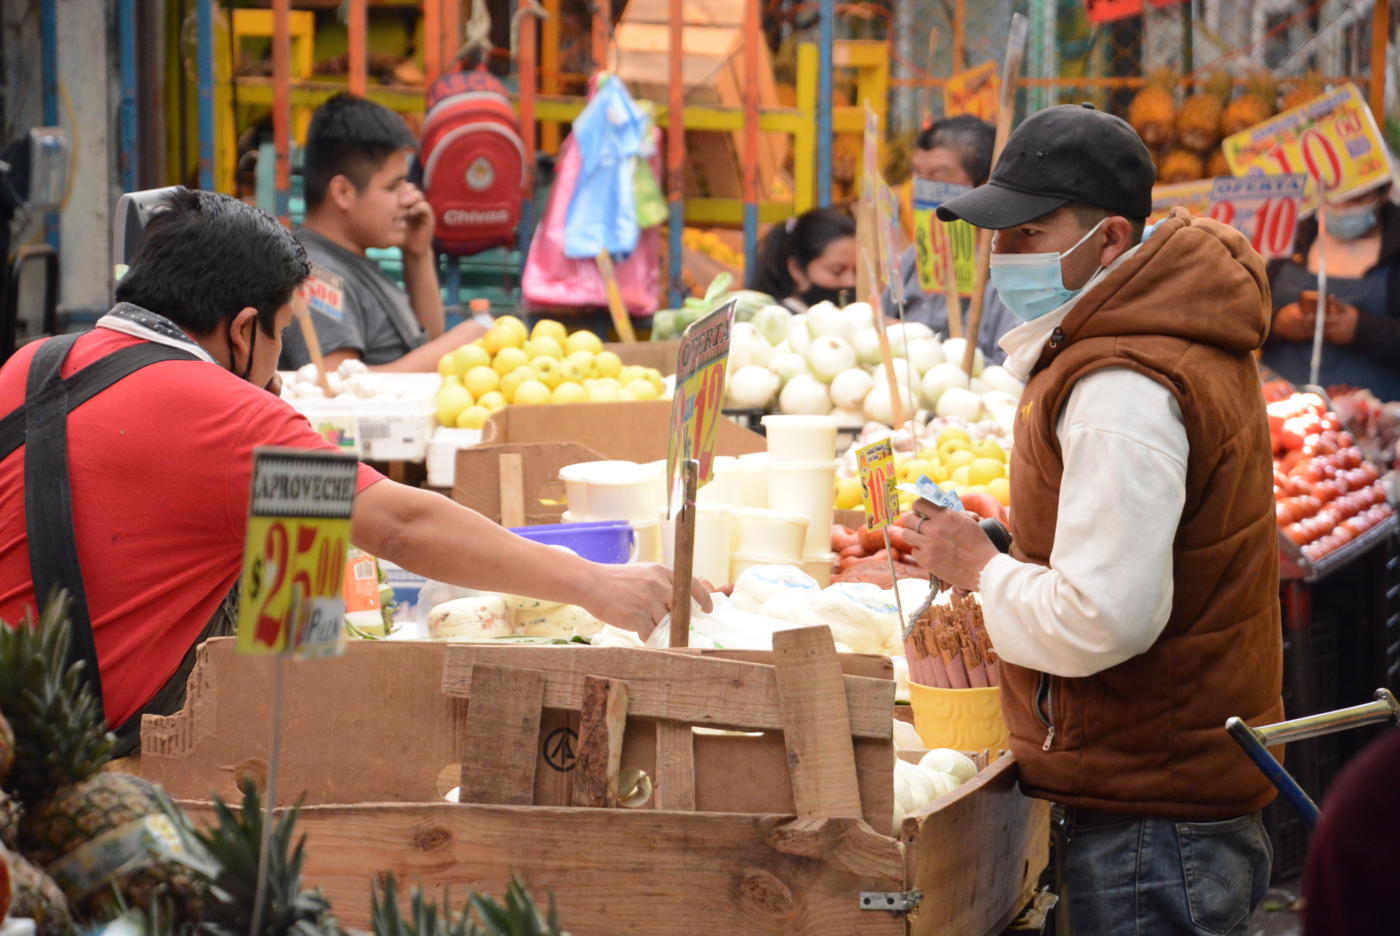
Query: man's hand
pixel 1293 323
pixel 637 597
pixel 948 544
pixel 1340 327
pixel 418 216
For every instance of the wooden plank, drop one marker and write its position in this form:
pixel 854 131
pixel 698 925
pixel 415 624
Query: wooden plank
pixel 556 757
pixel 602 724
pixel 512 489
pixel 678 687
pixel 1008 832
pixel 816 724
pixel 871 665
pixel 614 871
pixel 674 780
pixel 503 729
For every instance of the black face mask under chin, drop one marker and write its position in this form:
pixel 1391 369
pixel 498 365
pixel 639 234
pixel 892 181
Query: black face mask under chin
pixel 814 294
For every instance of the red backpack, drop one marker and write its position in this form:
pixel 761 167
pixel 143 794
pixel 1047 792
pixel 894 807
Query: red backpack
pixel 473 162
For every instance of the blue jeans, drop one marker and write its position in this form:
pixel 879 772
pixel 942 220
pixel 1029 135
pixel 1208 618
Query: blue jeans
pixel 1142 876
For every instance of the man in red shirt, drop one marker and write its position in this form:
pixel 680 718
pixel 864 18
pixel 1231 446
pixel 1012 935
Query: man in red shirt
pixel 159 463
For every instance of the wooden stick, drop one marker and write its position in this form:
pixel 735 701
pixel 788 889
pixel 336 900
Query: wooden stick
pixel 816 724
pixel 886 353
pixel 313 344
pixel 930 65
pixel 620 319
pixel 685 558
pixel 601 727
pixel 1015 52
pixel 512 488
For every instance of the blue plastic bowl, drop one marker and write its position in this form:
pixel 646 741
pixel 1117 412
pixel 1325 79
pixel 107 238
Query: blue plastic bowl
pixel 609 541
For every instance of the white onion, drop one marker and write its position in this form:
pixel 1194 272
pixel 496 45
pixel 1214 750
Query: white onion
pixel 828 356
pixel 940 378
pixel 868 346
pixel 949 761
pixel 906 737
pixel 825 319
pixel 799 333
pixel 955 349
pixel 848 418
pixel 914 331
pixel 860 315
pixel 772 323
pixel 994 400
pixel 747 346
pixel 957 403
pixel 804 395
pixel 848 389
pixel 921 788
pixel 788 365
pixel 925 354
pixel 877 406
pixel 943 783
pixel 751 387
pixel 997 377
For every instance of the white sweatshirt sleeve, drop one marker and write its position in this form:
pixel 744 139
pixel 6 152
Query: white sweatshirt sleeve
pixel 1107 593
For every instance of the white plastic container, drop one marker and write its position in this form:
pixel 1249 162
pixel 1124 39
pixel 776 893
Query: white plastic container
pixel 394 430
pixel 741 561
pixel 621 491
pixel 753 479
pixel 442 453
pixel 800 438
pixel 807 489
pixel 334 420
pixel 575 489
pixel 725 487
pixel 769 532
pixel 820 567
pixel 648 541
pixel 712 537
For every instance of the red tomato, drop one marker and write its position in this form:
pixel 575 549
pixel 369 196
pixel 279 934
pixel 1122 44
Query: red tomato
pixel 1346 439
pixel 1325 491
pixel 1344 535
pixel 1370 471
pixel 1297 533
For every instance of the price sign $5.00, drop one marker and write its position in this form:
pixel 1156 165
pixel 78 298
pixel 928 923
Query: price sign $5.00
pixel 294 560
pixel 695 409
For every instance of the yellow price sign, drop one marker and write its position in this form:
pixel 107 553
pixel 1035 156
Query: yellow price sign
pixel 1193 196
pixel 699 399
pixel 975 92
pixel 294 560
pixel 876 464
pixel 1333 138
pixel 944 249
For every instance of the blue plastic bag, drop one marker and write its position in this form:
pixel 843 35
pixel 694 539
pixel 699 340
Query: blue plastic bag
pixel 603 213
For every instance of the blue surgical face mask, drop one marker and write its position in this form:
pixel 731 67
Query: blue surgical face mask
pixel 1032 284
pixel 1352 223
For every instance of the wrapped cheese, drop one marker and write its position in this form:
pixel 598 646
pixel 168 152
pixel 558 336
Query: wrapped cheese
pixel 861 616
pixel 480 618
pixel 757 584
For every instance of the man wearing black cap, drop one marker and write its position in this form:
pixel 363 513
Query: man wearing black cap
pixel 1138 609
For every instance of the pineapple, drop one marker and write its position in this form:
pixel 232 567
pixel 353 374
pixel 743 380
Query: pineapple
pixel 1254 106
pixel 10 814
pixel 1218 166
pixel 520 916
pixel 1180 165
pixel 61 745
pixel 35 896
pixel 1198 126
pixel 1307 87
pixel 1152 112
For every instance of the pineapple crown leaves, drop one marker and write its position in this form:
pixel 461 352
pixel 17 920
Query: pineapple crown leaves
pixel 233 843
pixel 60 730
pixel 518 916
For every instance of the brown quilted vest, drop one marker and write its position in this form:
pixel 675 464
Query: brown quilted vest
pixel 1148 736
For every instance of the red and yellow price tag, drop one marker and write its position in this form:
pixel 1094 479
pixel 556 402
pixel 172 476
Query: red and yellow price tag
pixel 975 92
pixel 1333 138
pixel 876 464
pixel 1263 208
pixel 695 409
pixel 294 560
pixel 944 249
pixel 1193 196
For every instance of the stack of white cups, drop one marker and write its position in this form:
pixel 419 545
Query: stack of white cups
pixel 801 482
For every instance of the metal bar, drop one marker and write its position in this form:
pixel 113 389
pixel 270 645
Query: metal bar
pixel 753 36
pixel 204 31
pixel 804 170
pixel 549 70
pixel 602 29
pixel 282 102
pixel 452 34
pixel 432 39
pixel 824 115
pixel 1380 43
pixel 959 35
pixel 528 55
pixel 126 109
pixel 1385 708
pixel 357 34
pixel 675 152
pixel 1272 769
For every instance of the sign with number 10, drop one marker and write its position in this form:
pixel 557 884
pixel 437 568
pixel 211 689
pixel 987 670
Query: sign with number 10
pixel 294 561
pixel 695 409
pixel 876 464
pixel 1263 208
pixel 1333 138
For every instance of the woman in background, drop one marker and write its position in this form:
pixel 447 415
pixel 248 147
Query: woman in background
pixel 808 259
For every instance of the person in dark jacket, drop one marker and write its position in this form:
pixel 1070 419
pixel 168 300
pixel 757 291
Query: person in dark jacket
pixel 1362 328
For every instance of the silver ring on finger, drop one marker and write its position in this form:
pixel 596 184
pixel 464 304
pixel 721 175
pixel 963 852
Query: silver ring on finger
pixel 919 527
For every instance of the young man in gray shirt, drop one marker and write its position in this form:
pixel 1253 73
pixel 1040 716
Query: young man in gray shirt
pixel 358 196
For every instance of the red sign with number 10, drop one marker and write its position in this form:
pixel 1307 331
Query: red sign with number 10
pixel 1264 208
pixel 876 464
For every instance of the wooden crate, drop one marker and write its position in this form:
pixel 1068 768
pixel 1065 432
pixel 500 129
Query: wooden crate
pixel 779 831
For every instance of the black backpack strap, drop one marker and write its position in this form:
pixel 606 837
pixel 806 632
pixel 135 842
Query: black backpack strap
pixel 48 494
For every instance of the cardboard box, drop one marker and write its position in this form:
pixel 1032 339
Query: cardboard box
pixel 483 480
pixel 661 355
pixel 626 431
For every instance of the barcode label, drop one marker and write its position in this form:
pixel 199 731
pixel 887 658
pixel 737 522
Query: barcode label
pixel 364 570
pixel 374 431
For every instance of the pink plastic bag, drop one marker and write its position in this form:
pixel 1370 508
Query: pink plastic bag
pixel 553 280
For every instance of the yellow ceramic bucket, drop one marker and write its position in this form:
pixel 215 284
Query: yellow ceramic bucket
pixel 961 719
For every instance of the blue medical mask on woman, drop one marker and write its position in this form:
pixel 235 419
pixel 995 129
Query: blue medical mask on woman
pixel 1354 222
pixel 1032 284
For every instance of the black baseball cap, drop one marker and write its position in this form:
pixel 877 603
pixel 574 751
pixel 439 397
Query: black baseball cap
pixel 1070 153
